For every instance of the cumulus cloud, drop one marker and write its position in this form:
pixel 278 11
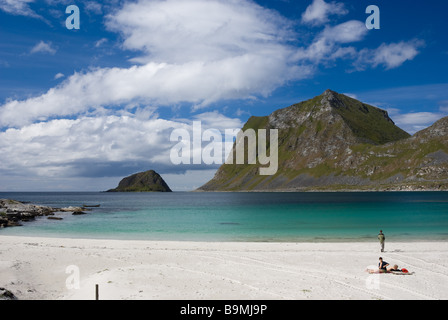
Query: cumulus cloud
pixel 390 55
pixel 318 12
pixel 178 31
pixel 162 84
pixel 395 54
pixel 43 47
pixel 200 52
pixel 412 122
pixel 331 44
pixel 350 31
pixel 99 146
pixel 416 121
pixel 328 44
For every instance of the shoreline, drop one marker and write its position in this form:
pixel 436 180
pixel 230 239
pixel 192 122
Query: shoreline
pixel 244 191
pixel 320 191
pixel 44 268
pixel 304 240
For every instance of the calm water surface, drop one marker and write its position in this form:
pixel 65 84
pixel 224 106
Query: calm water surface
pixel 227 216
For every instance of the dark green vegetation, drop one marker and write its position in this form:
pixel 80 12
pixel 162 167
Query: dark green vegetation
pixel 148 181
pixel 334 142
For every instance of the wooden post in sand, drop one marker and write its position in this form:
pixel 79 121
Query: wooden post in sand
pixel 97 295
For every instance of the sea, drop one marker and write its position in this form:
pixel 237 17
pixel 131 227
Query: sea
pixel 241 216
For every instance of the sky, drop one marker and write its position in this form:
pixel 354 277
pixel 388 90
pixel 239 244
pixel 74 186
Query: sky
pixel 82 108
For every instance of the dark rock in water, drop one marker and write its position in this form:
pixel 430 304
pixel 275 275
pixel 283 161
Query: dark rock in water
pixel 148 181
pixel 6 295
pixel 76 213
pixel 3 222
pixel 54 218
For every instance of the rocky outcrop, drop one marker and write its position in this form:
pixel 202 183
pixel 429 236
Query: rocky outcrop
pixel 148 181
pixel 13 212
pixel 6 295
pixel 334 142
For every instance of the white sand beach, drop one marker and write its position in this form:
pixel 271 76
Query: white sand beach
pixel 47 268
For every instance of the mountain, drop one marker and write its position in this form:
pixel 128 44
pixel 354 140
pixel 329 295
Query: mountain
pixel 334 142
pixel 148 181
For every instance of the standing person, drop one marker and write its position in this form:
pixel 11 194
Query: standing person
pixel 382 238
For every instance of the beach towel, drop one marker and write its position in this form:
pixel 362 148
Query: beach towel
pixel 402 272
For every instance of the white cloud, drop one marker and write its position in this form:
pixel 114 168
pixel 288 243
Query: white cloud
pixel 100 146
pixel 190 180
pixel 93 6
pixel 350 31
pixel 200 52
pixel 161 84
pixel 240 112
pixel 43 47
pixel 178 31
pixel 18 7
pixel 326 46
pixel 58 76
pixel 418 118
pixel 416 121
pixel 390 55
pixel 395 54
pixel 100 42
pixel 318 12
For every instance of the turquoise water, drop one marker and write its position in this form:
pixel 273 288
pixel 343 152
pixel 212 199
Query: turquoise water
pixel 228 216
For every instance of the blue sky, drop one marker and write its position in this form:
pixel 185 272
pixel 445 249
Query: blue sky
pixel 79 109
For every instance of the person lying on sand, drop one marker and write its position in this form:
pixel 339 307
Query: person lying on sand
pixel 383 268
pixel 394 268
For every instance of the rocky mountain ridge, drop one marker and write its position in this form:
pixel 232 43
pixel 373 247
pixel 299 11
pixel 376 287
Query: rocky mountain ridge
pixel 333 142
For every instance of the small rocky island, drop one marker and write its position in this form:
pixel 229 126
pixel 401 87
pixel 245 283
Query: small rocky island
pixel 147 181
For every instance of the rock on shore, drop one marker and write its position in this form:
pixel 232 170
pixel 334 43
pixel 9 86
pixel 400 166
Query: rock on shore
pixel 13 212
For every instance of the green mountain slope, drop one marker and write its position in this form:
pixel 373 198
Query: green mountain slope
pixel 334 142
